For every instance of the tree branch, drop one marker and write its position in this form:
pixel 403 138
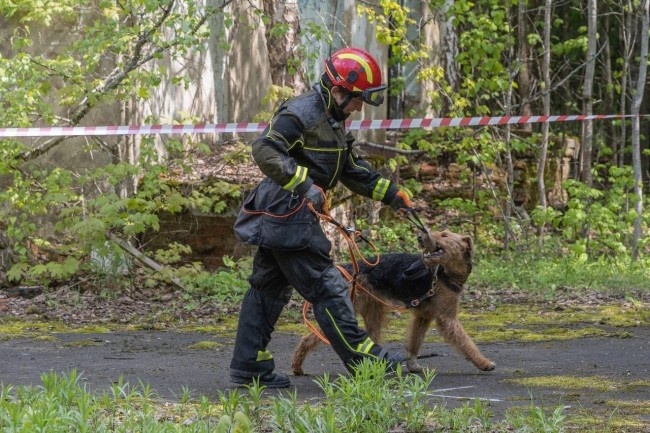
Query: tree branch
pixel 117 76
pixel 142 258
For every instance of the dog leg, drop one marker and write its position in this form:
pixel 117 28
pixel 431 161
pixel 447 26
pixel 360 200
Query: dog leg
pixel 453 332
pixel 374 315
pixel 415 333
pixel 306 345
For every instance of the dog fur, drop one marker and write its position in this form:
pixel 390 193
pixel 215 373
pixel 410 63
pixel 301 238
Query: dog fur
pixel 407 279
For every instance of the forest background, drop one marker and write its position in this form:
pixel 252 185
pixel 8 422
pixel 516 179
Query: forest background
pixel 69 205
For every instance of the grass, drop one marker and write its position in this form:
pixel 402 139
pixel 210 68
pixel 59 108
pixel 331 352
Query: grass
pixel 545 274
pixel 500 319
pixel 601 384
pixel 42 329
pixel 367 401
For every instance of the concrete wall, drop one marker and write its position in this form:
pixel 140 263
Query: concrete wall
pixel 227 82
pixel 47 41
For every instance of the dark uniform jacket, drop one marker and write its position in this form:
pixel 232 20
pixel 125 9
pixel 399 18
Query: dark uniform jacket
pixel 303 145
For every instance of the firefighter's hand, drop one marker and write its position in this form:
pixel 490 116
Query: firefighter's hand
pixel 316 196
pixel 401 202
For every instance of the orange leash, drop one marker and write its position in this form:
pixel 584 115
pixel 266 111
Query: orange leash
pixel 350 235
pixel 347 275
pixel 306 305
pixel 312 328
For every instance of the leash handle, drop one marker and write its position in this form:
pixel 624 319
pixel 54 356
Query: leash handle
pixel 349 234
pixel 412 216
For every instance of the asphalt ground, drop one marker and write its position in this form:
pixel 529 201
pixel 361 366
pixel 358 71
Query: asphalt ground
pixel 166 362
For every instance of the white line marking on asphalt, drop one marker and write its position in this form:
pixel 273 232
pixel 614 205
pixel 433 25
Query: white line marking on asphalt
pixel 437 393
pixel 452 389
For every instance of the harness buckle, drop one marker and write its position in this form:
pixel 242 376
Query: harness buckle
pixel 349 230
pixel 293 201
pixel 415 302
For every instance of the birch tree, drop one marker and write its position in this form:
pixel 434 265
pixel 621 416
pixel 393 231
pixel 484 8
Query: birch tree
pixel 587 91
pixel 626 34
pixel 450 46
pixel 523 62
pixel 644 13
pixel 609 88
pixel 546 110
pixel 283 43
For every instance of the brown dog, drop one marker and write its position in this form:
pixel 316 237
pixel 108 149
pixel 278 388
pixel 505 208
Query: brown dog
pixel 429 285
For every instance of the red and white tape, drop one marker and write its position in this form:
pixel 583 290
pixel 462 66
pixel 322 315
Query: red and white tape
pixel 64 131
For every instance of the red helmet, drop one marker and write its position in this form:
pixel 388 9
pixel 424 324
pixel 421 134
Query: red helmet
pixel 357 72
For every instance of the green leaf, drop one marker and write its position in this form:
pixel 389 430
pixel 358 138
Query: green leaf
pixel 17 271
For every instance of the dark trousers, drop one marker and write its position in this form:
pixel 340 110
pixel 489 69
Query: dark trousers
pixel 312 273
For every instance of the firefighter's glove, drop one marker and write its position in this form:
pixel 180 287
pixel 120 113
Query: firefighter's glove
pixel 316 196
pixel 401 202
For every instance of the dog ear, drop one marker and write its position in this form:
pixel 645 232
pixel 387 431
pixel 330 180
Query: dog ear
pixel 469 244
pixel 469 251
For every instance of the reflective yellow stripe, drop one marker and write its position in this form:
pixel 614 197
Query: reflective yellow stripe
pixel 297 179
pixel 365 346
pixel 264 355
pixel 358 166
pixel 380 189
pixel 366 66
pixel 298 143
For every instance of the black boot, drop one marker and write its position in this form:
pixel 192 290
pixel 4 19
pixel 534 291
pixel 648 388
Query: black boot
pixel 269 380
pixel 251 359
pixel 392 360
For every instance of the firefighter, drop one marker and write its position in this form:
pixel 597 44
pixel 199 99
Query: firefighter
pixel 304 152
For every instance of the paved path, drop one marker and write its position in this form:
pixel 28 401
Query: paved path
pixel 163 360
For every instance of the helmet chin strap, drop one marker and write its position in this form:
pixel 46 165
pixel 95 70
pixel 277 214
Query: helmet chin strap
pixel 336 109
pixel 346 101
pixel 338 112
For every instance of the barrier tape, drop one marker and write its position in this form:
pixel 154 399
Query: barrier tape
pixel 64 131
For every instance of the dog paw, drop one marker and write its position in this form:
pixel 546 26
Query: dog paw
pixel 414 367
pixel 488 367
pixel 298 371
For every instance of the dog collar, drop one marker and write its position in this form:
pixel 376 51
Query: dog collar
pixel 415 302
pixel 436 275
pixel 432 291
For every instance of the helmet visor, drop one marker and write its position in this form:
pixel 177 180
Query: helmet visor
pixel 373 95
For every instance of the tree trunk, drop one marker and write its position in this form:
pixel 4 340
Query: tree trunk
pixel 587 92
pixel 546 110
pixel 626 34
pixel 509 208
pixel 450 46
pixel 608 90
pixel 635 110
pixel 523 60
pixel 283 41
